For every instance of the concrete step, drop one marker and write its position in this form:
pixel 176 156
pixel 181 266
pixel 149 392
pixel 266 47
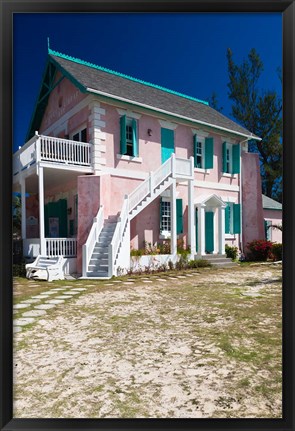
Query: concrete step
pixel 97 274
pixel 219 260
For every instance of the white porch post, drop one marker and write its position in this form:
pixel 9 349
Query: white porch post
pixel 221 230
pixel 23 207
pixel 201 230
pixel 41 211
pixel 173 219
pixel 191 218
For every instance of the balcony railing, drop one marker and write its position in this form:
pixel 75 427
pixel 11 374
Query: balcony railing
pixel 52 150
pixel 66 247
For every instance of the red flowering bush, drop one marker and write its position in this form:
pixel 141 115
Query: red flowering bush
pixel 260 249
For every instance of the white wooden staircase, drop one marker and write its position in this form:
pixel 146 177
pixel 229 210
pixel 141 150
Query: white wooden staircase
pixel 108 244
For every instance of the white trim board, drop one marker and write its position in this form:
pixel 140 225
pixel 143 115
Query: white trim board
pixel 216 186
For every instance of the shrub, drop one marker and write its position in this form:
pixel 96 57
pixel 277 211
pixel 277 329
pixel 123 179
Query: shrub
pixel 203 263
pixel 260 249
pixel 277 251
pixel 231 252
pixel 136 253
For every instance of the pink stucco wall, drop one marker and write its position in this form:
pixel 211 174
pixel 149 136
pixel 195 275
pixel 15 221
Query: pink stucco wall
pixel 150 147
pixel 62 99
pixel 275 217
pixel 253 225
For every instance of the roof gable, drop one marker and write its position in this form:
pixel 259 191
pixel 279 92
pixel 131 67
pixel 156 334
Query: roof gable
pixel 91 78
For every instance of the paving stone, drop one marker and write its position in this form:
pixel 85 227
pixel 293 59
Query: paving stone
pixel 109 284
pixel 31 301
pixel 128 282
pixel 44 306
pixel 146 281
pixel 160 279
pixel 189 275
pixel 181 276
pixel 17 329
pixel 34 313
pixel 63 297
pixel 22 321
pixel 57 289
pixel 49 292
pixel 172 278
pixel 55 301
pixel 20 305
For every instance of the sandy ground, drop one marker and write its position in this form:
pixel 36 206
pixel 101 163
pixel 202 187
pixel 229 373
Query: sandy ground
pixel 204 346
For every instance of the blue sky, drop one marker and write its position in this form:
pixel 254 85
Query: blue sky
pixel 185 52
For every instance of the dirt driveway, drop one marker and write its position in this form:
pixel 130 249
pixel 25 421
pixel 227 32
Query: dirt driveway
pixel 201 344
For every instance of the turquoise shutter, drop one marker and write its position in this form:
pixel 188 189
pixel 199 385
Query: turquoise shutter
pixel 195 150
pixel 134 138
pixel 237 218
pixel 179 219
pixel 161 214
pixel 209 153
pixel 236 159
pixel 167 144
pixel 227 218
pixel 224 157
pixel 123 145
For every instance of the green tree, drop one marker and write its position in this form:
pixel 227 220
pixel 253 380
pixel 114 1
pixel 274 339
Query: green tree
pixel 213 102
pixel 261 113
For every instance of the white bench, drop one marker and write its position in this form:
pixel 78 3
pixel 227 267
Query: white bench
pixel 48 268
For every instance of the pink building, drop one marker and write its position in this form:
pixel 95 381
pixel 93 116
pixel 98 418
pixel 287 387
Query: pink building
pixel 112 162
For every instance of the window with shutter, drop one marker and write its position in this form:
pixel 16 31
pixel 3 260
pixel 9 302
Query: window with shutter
pixel 128 138
pixel 230 158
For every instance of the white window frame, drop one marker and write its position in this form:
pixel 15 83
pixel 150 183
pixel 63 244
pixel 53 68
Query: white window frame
pixel 79 131
pixel 129 142
pixel 165 233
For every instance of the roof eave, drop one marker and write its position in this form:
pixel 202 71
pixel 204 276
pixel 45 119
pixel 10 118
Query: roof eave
pixel 199 122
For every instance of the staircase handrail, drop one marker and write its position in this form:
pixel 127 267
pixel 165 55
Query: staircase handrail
pixel 148 185
pixel 94 233
pixel 118 235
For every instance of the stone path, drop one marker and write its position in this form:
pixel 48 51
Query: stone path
pixel 38 305
pixel 29 310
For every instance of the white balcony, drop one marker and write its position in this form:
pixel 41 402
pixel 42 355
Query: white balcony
pixel 55 152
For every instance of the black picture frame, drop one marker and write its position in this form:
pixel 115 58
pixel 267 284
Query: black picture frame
pixel 7 9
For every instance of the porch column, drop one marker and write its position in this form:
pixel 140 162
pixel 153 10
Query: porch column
pixel 173 219
pixel 23 207
pixel 221 230
pixel 41 211
pixel 201 230
pixel 191 218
